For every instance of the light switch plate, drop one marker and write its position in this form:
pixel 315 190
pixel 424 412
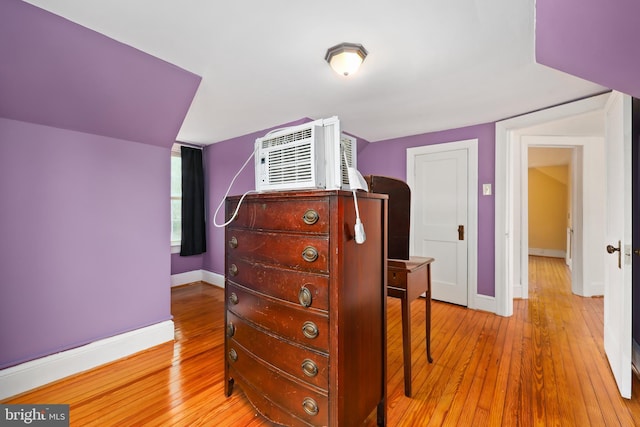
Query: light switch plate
pixel 486 189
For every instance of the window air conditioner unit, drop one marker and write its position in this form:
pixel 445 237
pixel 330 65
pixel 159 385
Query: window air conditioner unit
pixel 307 156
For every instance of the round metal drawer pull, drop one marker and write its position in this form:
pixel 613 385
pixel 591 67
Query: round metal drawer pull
pixel 233 242
pixel 233 270
pixel 310 406
pixel 310 330
pixel 310 254
pixel 305 297
pixel 231 329
pixel 309 368
pixel 233 355
pixel 233 298
pixel 310 217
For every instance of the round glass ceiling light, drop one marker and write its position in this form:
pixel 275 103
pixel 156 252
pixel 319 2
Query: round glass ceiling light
pixel 345 58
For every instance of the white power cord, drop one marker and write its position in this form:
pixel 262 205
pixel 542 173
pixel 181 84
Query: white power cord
pixel 227 193
pixel 361 236
pixel 356 182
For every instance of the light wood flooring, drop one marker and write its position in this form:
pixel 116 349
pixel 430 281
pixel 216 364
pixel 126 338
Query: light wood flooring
pixel 544 366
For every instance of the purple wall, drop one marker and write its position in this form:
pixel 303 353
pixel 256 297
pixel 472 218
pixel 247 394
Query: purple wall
pixel 59 74
pixel 85 232
pixel 85 218
pixel 390 158
pixel 183 264
pixel 593 39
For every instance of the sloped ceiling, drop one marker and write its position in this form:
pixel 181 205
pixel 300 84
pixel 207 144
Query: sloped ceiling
pixel 57 73
pixel 594 40
pixel 539 157
pixel 432 65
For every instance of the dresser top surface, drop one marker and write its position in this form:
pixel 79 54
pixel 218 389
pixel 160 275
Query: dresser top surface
pixel 307 193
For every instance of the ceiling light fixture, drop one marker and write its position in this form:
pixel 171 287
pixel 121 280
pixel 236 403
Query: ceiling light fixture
pixel 345 58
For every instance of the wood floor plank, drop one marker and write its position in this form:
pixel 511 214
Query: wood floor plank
pixel 512 414
pixel 503 356
pixel 464 403
pixel 545 365
pixel 463 345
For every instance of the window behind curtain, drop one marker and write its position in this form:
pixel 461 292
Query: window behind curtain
pixel 176 196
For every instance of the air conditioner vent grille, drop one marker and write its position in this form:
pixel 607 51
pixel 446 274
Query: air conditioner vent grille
pixel 291 165
pixel 300 135
pixel 347 146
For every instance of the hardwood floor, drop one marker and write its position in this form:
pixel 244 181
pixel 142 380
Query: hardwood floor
pixel 545 365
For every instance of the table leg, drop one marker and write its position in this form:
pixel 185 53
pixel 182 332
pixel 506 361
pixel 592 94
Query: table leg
pixel 382 413
pixel 406 343
pixel 428 314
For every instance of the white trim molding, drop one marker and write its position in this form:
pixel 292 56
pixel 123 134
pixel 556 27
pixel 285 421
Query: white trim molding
pixel 213 278
pixel 551 253
pixel 197 276
pixel 508 239
pixel 35 373
pixel 484 303
pixel 186 277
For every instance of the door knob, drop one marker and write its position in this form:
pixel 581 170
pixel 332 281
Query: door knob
pixel 612 249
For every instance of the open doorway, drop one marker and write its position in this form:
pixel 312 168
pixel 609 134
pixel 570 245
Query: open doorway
pixel 550 202
pixel 587 214
pixel 579 125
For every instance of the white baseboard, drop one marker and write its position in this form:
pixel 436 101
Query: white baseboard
pixel 594 289
pixel 35 373
pixel 485 303
pixel 213 278
pixel 197 276
pixel 553 253
pixel 187 277
pixel 517 290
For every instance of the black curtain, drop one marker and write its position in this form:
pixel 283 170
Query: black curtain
pixel 193 221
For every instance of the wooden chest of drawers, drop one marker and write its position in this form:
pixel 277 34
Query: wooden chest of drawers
pixel 306 307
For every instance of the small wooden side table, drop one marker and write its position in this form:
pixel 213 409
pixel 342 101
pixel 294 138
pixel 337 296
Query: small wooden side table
pixel 407 280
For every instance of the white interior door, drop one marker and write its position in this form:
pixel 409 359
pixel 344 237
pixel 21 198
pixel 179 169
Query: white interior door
pixel 440 221
pixel 617 287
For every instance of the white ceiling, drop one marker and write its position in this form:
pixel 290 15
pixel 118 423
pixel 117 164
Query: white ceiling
pixel 539 157
pixel 432 65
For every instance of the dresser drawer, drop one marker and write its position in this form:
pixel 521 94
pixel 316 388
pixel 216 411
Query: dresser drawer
pixel 302 325
pixel 305 215
pixel 305 402
pixel 291 250
pixel 298 287
pixel 306 365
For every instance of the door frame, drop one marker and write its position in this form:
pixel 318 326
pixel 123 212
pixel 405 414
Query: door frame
pixel 508 146
pixel 588 211
pixel 471 146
